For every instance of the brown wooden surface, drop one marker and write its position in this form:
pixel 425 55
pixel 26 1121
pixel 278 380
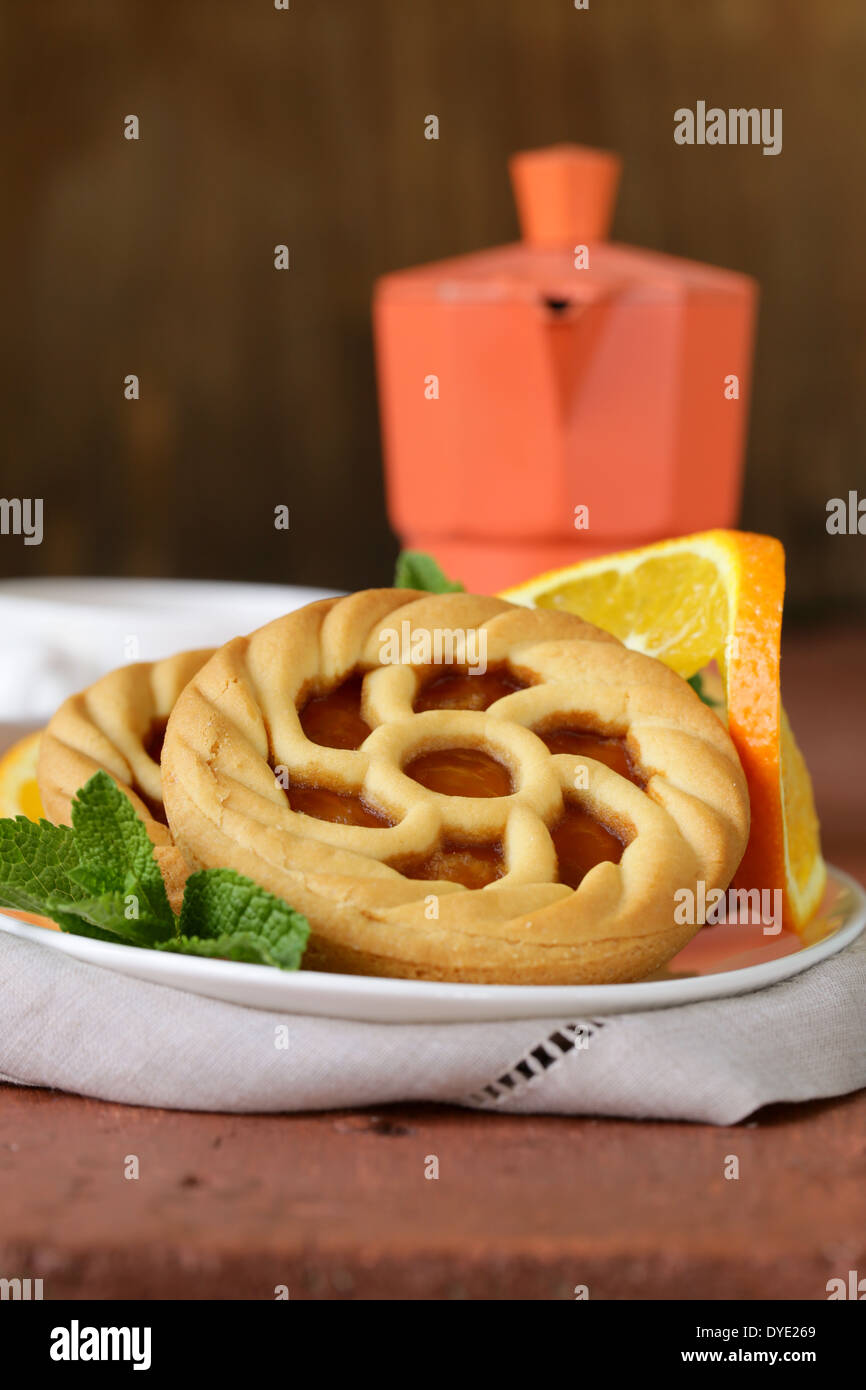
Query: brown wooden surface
pixel 306 127
pixel 337 1205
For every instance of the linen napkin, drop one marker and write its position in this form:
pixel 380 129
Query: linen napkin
pixel 81 1028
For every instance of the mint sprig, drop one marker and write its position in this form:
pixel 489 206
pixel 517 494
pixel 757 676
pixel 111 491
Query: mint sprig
pixel 99 878
pixel 415 570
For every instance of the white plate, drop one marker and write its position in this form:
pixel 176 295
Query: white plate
pixel 720 961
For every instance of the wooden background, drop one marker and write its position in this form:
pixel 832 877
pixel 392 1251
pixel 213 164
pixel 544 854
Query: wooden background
pixel 306 127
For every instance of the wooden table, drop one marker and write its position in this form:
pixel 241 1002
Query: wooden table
pixel 337 1206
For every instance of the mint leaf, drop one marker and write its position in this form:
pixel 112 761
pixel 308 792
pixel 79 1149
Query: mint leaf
pixel 109 916
pixel 37 861
pixel 697 684
pixel 40 871
pixel 81 926
pixel 117 866
pixel 225 914
pixel 415 570
pixel 240 946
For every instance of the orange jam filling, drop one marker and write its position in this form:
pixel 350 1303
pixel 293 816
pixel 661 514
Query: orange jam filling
pixel 460 690
pixel 460 772
pixel 155 738
pixel 343 808
pixel 472 865
pixel 152 741
pixel 334 720
pixel 582 743
pixel 581 842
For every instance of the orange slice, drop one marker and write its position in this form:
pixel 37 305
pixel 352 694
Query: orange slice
pixel 19 796
pixel 19 793
pixel 716 596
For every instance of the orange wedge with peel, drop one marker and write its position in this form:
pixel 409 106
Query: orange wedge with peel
pixel 19 796
pixel 716 597
pixel 19 793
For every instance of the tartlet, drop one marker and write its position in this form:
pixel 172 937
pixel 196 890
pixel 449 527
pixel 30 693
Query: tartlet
pixel 528 824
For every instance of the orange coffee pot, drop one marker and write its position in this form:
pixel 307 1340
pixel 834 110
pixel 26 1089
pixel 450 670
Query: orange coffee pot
pixel 562 396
